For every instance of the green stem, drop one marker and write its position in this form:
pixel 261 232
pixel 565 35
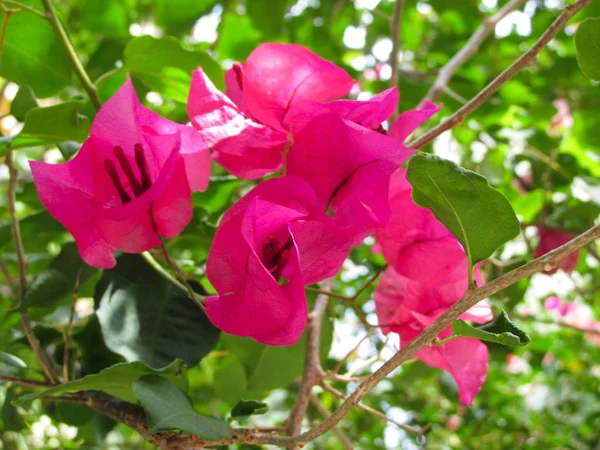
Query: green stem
pixel 70 51
pixel 23 7
pixel 171 279
pixel 437 343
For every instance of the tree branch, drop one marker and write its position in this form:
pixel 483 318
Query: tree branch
pixel 16 232
pixel 26 382
pixel 469 49
pixel 312 365
pixel 527 59
pixel 347 443
pixel 82 75
pixel 395 35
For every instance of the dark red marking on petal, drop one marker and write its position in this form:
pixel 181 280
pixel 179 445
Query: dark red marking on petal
pixel 114 176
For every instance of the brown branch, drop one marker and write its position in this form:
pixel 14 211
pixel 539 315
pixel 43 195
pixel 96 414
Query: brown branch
pixel 347 443
pixel 22 262
pixel 312 365
pixel 395 35
pixel 70 329
pixel 527 59
pixel 470 48
pixel 327 293
pixel 341 362
pixel 26 382
pixel 418 431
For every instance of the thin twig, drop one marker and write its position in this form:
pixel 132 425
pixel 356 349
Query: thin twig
pixel 23 7
pixel 559 323
pixel 347 443
pixel 527 59
pixel 369 282
pixel 26 382
pixel 468 50
pixel 198 299
pixel 7 276
pixel 7 15
pixel 342 361
pixel 22 262
pixel 312 365
pixel 418 431
pixel 70 329
pixel 327 293
pixel 195 297
pixel 82 75
pixel 395 35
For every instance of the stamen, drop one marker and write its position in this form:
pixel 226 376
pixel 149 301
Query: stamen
pixel 275 258
pixel 126 166
pixel 238 71
pixel 140 160
pixel 114 176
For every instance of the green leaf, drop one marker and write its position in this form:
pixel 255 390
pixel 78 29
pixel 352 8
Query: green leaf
pixel 145 318
pixel 501 330
pixel 246 408
pixel 267 16
pixel 237 38
pixel 269 368
pixel 529 205
pixel 10 416
pixel 587 43
pixel 169 408
pixel 478 215
pixel 117 381
pixel 32 54
pixel 108 17
pixel 230 382
pixel 12 360
pixel 176 16
pixel 58 280
pixel 40 224
pixel 164 66
pixel 24 101
pixel 50 125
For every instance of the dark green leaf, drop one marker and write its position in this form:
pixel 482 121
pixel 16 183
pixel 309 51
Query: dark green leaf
pixel 176 16
pixel 144 318
pixel 40 224
pixel 267 16
pixel 478 215
pixel 238 37
pixel 32 55
pixel 51 125
pixel 10 416
pixel 587 42
pixel 169 408
pixel 117 381
pixel 246 408
pixel 108 17
pixel 164 66
pixel 58 280
pixel 230 382
pixel 501 330
pixel 24 101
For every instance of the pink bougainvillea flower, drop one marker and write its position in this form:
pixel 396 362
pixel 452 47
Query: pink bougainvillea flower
pixel 129 185
pixel 268 246
pixel 414 239
pixel 347 158
pixel 551 239
pixel 407 307
pixel 248 128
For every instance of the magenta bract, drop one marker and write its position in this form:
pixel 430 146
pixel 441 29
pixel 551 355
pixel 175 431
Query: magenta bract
pixel 129 185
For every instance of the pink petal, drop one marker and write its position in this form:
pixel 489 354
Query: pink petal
pixel 322 248
pixel 233 81
pixel 244 147
pixel 336 157
pixel 276 76
pixel 466 359
pixel 409 121
pixel 56 183
pixel 480 313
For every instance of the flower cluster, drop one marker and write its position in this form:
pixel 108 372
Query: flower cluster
pixel 428 274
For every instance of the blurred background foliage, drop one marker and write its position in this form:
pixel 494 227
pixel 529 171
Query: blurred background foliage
pixel 536 140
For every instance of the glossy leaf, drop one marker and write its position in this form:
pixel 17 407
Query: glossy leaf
pixel 246 408
pixel 501 330
pixel 50 125
pixel 170 408
pixel 587 42
pixel 165 66
pixel 32 54
pixel 144 318
pixel 478 215
pixel 117 380
pixel 24 101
